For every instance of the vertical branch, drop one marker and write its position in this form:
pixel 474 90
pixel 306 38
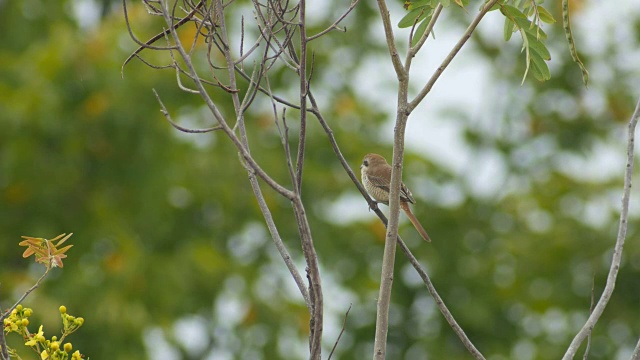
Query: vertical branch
pixel 391 42
pixel 617 251
pixel 302 71
pixel 388 259
pixel 4 352
pixel 239 109
pixel 311 257
pixel 313 274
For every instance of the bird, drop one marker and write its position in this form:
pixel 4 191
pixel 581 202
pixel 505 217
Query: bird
pixel 375 172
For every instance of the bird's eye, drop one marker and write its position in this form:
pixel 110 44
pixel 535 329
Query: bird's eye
pixel 365 163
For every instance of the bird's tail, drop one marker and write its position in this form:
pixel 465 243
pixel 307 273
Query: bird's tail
pixel 405 207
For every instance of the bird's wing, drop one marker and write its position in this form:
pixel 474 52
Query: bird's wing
pixel 379 182
pixel 405 194
pixel 382 183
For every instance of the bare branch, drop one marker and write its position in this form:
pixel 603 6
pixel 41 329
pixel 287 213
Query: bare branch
pixel 391 42
pixel 240 109
pixel 218 115
pixel 267 33
pixel 617 251
pixel 302 66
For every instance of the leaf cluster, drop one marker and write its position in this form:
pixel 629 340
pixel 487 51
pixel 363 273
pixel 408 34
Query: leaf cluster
pixel 527 21
pixel 46 251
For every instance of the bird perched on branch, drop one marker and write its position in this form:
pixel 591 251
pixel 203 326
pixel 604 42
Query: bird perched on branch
pixel 376 178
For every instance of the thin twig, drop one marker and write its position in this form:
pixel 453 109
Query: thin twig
pixel 220 118
pixel 593 301
pixel 148 44
pixel 413 27
pixel 313 271
pixel 302 66
pixel 617 251
pixel 344 323
pixel 167 116
pixel 334 26
pixel 266 32
pixel 35 286
pixel 285 143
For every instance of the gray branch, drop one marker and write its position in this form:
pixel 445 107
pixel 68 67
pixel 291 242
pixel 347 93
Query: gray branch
pixel 617 251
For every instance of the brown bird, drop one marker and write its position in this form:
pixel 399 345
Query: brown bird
pixel 376 178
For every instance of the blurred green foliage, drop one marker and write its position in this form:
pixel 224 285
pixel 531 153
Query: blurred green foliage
pixel 169 239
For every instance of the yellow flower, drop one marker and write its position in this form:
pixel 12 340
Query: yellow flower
pixel 35 337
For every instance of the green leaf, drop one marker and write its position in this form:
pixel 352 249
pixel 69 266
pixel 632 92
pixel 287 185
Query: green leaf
pixel 530 28
pixel 545 15
pixel 445 3
pixel 419 4
pixel 538 47
pixel 509 27
pixel 420 30
pixel 536 73
pixel 459 3
pixel 512 12
pixel 540 66
pixel 414 16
